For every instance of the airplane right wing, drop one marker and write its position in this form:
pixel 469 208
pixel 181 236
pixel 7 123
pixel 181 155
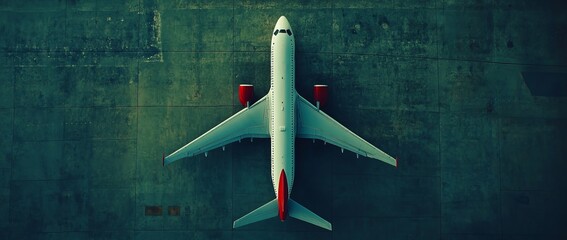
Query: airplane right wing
pixel 249 122
pixel 315 124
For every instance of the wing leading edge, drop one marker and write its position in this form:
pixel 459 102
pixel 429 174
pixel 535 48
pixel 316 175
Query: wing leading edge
pixel 250 122
pixel 315 124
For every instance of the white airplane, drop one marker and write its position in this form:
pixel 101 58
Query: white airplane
pixel 281 115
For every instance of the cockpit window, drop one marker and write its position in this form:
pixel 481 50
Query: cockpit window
pixel 282 31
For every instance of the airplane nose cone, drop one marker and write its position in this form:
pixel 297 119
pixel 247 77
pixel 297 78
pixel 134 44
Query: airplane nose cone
pixel 283 23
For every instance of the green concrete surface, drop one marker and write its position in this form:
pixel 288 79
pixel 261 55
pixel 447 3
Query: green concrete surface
pixel 93 92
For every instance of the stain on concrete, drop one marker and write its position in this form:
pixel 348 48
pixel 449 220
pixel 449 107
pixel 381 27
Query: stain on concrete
pixel 153 45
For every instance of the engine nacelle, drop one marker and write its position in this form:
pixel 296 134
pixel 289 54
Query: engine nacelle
pixel 321 94
pixel 245 94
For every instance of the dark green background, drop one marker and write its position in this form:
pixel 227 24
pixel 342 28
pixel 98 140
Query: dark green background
pixel 92 93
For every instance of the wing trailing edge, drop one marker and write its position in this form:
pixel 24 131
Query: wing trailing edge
pixel 251 122
pixel 315 124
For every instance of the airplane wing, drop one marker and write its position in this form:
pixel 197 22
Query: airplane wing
pixel 315 124
pixel 249 122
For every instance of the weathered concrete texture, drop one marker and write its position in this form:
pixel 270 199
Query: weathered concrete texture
pixel 104 30
pixel 384 83
pixel 92 93
pixel 6 131
pixel 6 84
pixel 204 196
pixel 542 35
pixel 470 178
pixel 48 206
pixel 179 27
pixel 61 79
pixel 5 198
pixel 397 32
pixel 507 31
pixel 464 35
pixel 520 169
pixel 187 79
pixel 88 123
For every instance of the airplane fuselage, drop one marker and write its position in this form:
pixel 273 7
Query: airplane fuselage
pixel 283 114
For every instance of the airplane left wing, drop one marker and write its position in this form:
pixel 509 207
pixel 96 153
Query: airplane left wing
pixel 314 123
pixel 249 122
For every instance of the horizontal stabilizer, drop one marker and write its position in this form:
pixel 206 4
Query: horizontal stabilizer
pixel 304 214
pixel 266 211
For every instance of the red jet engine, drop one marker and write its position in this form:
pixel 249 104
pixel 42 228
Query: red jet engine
pixel 245 94
pixel 321 94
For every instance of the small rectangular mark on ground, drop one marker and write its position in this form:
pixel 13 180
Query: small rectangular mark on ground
pixel 153 211
pixel 173 210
